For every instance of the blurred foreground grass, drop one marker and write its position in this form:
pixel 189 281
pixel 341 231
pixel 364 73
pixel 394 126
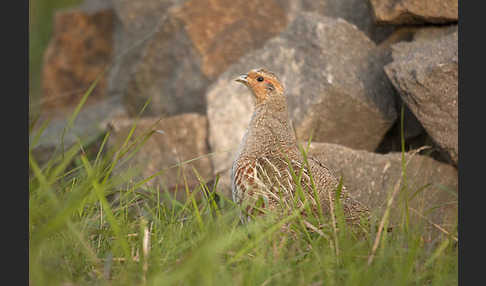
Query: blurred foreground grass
pixel 90 227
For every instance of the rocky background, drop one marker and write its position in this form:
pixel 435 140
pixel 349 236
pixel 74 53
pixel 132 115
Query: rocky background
pixel 348 67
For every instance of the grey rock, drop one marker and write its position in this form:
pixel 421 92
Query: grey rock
pixel 177 147
pixel 411 126
pixel 335 87
pixel 415 11
pixel 224 184
pixel 87 127
pixel 371 179
pixel 425 72
pixel 356 12
pixel 136 24
pixel 169 73
pixel 141 17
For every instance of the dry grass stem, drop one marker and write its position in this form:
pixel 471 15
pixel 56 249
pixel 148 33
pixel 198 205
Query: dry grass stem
pixel 434 224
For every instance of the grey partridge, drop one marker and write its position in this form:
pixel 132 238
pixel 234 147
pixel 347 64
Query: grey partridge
pixel 268 155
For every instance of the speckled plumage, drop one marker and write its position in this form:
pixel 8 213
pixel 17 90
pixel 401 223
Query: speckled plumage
pixel 261 172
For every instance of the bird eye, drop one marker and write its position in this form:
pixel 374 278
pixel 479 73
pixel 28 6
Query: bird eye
pixel 260 78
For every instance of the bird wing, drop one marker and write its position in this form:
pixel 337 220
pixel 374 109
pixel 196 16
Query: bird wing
pixel 327 181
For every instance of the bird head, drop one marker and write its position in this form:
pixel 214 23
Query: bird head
pixel 263 84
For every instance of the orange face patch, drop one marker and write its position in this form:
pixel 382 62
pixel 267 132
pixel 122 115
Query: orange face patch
pixel 262 84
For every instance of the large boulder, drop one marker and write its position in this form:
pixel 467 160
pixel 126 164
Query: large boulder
pixel 425 72
pixel 335 87
pixel 78 52
pixel 195 42
pixel 431 186
pixel 414 133
pixel 174 141
pixel 136 23
pixel 415 11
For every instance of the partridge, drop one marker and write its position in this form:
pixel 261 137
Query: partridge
pixel 269 166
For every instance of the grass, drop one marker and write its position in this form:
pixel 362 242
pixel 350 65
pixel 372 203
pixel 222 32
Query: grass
pixel 88 226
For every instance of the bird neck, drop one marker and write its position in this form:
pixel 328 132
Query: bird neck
pixel 269 131
pixel 274 102
pixel 274 107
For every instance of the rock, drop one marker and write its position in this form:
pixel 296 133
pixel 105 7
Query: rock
pixel 136 23
pixel 163 43
pixel 335 87
pixel 400 34
pixel 86 128
pixel 184 138
pixel 196 42
pixel 425 72
pixel 411 126
pixel 397 12
pixel 431 33
pixel 78 52
pixel 416 33
pixel 224 184
pixel 415 134
pixel 141 17
pixel 357 12
pixel 371 178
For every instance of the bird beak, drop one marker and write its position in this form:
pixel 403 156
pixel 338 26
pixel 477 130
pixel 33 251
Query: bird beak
pixel 243 79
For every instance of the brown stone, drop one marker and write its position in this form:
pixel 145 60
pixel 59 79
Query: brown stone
pixel 222 31
pixel 415 11
pixel 182 138
pixel 79 51
pixel 416 33
pixel 433 32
